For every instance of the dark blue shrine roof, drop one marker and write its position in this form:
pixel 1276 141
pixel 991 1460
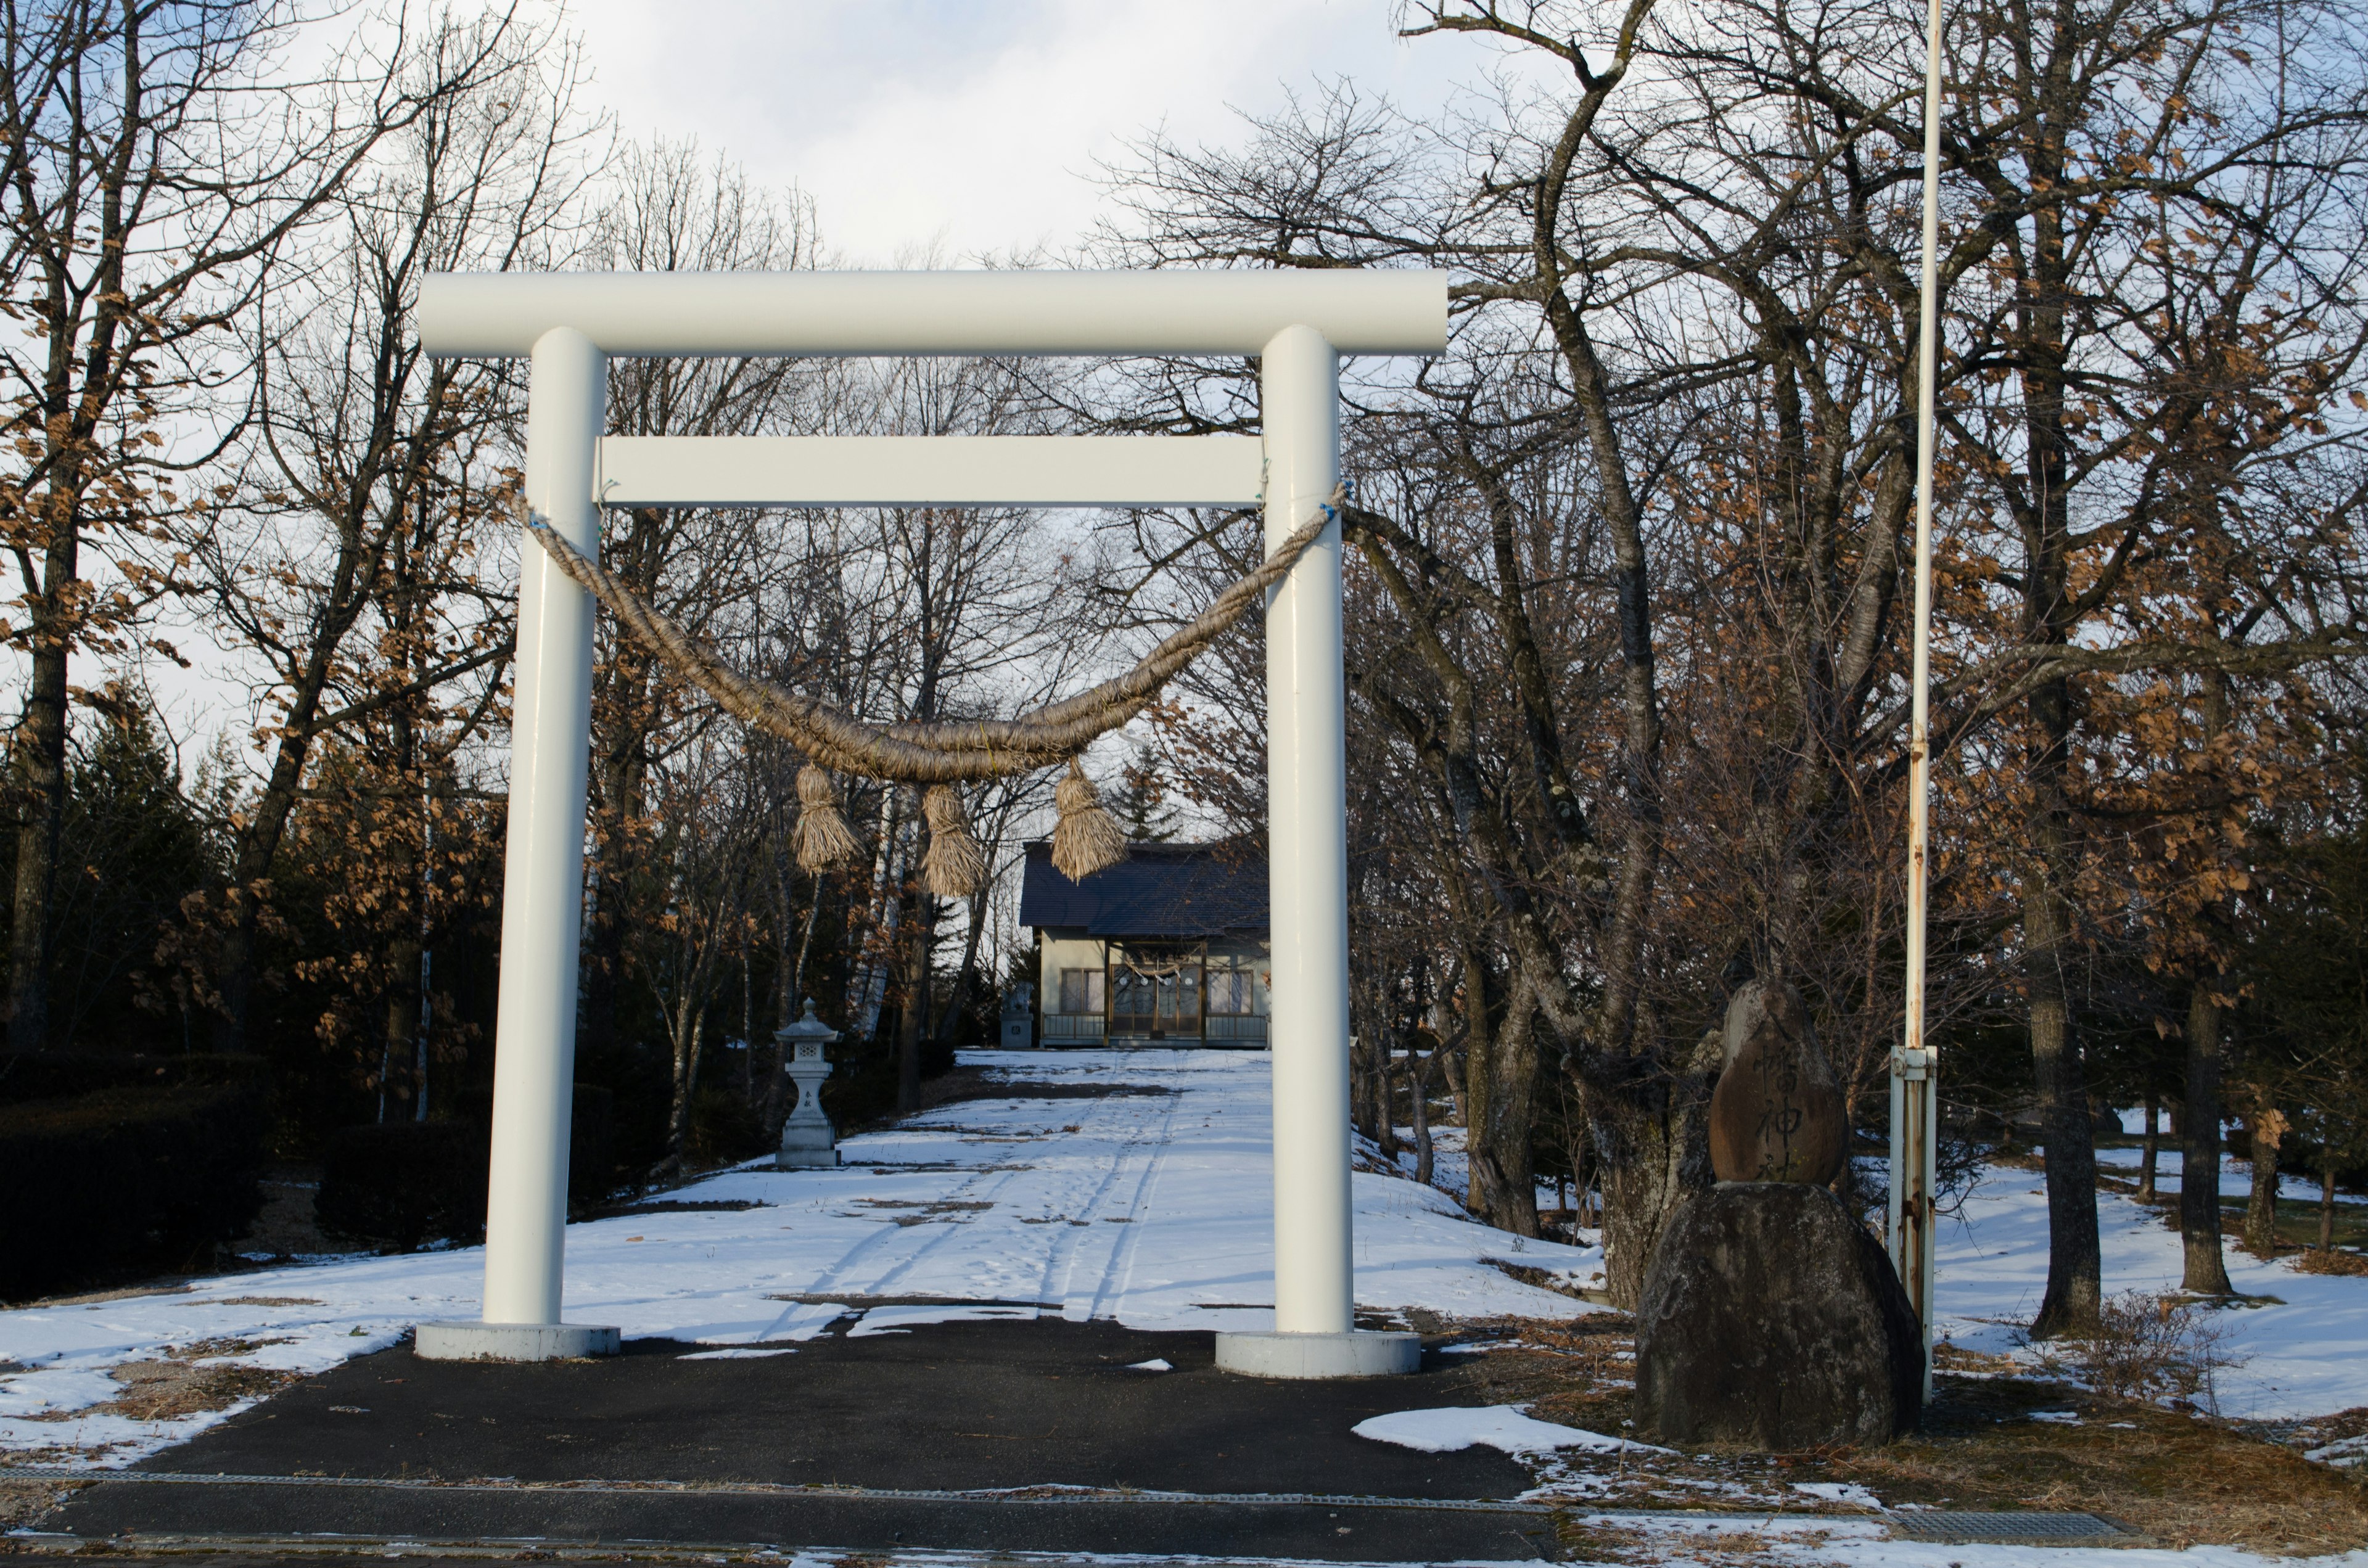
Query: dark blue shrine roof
pixel 1159 889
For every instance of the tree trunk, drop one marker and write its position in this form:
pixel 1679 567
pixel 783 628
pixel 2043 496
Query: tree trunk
pixel 912 1016
pixel 2075 1265
pixel 1653 1154
pixel 2265 1129
pixel 2148 1161
pixel 689 1023
pixel 966 975
pixel 2075 1258
pixel 2199 1155
pixel 1501 1162
pixel 2327 1207
pixel 622 769
pixel 402 1019
pixel 1479 1073
pixel 1419 1076
pixel 39 758
pixel 1451 1069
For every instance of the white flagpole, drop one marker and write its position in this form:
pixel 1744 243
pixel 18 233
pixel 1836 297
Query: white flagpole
pixel 1914 1094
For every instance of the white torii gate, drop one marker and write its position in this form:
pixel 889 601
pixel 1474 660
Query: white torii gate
pixel 570 325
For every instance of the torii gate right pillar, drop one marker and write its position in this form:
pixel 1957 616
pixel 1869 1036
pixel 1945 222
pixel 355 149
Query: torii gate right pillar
pixel 1307 857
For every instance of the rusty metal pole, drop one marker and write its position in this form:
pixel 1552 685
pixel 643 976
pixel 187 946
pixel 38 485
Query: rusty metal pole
pixel 1915 1101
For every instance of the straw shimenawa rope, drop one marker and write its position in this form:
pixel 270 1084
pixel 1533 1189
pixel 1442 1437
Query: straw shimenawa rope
pixel 822 838
pixel 930 753
pixel 1085 841
pixel 955 867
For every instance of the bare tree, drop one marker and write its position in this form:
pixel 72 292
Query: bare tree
pixel 1663 469
pixel 156 163
pixel 376 471
pixel 667 209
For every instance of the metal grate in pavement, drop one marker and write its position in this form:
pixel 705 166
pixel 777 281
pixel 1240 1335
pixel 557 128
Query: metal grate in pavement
pixel 2014 1529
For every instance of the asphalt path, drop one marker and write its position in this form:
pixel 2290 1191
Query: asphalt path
pixel 874 1443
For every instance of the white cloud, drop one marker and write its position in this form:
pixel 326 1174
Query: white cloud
pixel 976 127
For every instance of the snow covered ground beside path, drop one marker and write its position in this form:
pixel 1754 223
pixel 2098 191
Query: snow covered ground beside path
pixel 1154 1209
pixel 1450 1167
pixel 2304 1347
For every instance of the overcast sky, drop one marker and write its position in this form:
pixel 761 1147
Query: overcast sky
pixel 967 127
pixel 974 125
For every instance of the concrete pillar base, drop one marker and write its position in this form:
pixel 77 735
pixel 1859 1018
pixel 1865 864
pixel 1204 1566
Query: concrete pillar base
pixel 1355 1354
pixel 513 1341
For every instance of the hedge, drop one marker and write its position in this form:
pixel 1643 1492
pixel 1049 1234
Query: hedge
pixel 404 1183
pixel 49 1076
pixel 109 1184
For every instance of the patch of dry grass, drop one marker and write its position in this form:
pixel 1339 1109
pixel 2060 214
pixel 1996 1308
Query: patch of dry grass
pixel 214 1349
pixel 2182 1479
pixel 169 1388
pixel 2313 1260
pixel 265 1301
pixel 23 1503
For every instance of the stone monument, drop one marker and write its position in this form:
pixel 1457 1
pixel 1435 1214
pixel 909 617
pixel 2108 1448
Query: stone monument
pixel 1771 1318
pixel 1019 1017
pixel 808 1139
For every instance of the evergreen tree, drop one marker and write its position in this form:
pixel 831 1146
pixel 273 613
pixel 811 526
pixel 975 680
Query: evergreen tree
pixel 132 846
pixel 1140 804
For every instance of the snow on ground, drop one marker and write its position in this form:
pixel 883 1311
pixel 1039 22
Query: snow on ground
pixel 2301 1344
pixel 1152 1208
pixel 1446 1428
pixel 1693 1541
pixel 1825 1541
pixel 1450 1165
pixel 2236 1175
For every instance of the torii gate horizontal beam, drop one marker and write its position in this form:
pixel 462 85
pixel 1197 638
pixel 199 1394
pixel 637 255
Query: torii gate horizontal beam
pixel 930 471
pixel 932 313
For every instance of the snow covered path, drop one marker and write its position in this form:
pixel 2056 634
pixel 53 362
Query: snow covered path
pixel 1152 1208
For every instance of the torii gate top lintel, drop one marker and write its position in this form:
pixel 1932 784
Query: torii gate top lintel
pixel 629 314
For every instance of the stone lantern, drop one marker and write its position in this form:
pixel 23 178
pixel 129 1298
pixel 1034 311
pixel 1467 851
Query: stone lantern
pixel 1019 1017
pixel 808 1139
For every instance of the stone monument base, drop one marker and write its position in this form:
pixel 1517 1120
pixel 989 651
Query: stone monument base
pixel 1772 1319
pixel 513 1341
pixel 1360 1354
pixel 806 1155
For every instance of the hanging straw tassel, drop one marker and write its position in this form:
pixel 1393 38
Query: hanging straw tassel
pixel 1086 840
pixel 954 867
pixel 822 839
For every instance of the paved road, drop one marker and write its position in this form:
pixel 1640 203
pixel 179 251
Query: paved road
pixel 905 1429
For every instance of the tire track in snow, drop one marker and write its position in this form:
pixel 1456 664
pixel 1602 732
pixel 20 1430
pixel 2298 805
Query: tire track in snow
pixel 939 1236
pixel 1119 1273
pixel 1135 1147
pixel 835 1277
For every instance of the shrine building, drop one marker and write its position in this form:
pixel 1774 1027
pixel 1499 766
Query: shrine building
pixel 1170 946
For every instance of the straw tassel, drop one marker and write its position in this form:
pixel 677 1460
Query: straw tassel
pixel 1086 840
pixel 822 839
pixel 954 867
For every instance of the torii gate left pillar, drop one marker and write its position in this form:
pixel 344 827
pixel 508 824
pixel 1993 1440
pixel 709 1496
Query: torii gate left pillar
pixel 1298 323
